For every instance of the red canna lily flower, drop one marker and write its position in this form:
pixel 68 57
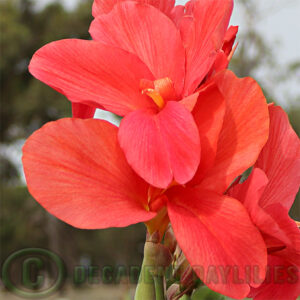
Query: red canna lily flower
pixel 76 170
pixel 268 195
pixel 143 67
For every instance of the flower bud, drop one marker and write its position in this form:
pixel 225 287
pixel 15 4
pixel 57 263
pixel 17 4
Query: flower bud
pixel 173 291
pixel 153 238
pixel 187 279
pixel 170 240
pixel 180 265
pixel 157 256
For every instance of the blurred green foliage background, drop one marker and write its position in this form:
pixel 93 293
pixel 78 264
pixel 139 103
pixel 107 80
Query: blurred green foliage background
pixel 27 104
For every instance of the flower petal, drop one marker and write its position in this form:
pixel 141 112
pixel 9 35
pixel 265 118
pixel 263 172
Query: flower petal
pixel 177 13
pixel 280 160
pixel 209 114
pixel 280 232
pixel 82 111
pixel 76 170
pixel 244 132
pixel 249 193
pixel 229 39
pixel 288 230
pixel 105 6
pixel 148 33
pixel 217 236
pixel 224 56
pixel 282 282
pixel 221 63
pixel 161 146
pixel 94 74
pixel 203 33
pixel 189 102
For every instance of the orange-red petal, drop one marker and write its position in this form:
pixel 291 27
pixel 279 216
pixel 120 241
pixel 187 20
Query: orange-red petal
pixel 149 34
pixel 244 133
pixel 280 160
pixel 208 114
pixel 203 33
pixel 161 147
pixel 93 74
pixel 82 111
pixel 105 6
pixel 76 170
pixel 218 239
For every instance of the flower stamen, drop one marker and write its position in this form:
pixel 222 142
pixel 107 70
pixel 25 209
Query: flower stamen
pixel 160 90
pixel 155 96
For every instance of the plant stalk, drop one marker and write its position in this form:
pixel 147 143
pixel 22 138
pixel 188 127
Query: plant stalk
pixel 156 259
pixel 159 287
pixel 145 289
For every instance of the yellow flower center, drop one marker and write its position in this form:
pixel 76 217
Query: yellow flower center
pixel 160 91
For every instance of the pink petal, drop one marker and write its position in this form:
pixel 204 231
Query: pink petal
pixel 161 146
pixel 244 133
pixel 93 74
pixel 203 33
pixel 149 34
pixel 76 170
pixel 280 160
pixel 216 234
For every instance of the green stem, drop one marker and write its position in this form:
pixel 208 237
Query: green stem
pixel 159 287
pixel 145 289
pixel 156 259
pixel 185 297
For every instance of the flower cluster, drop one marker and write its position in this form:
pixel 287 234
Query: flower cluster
pixel 190 128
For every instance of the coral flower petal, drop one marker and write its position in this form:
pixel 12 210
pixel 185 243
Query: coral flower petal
pixel 161 146
pixel 92 73
pixel 209 114
pixel 289 231
pixel 76 170
pixel 282 282
pixel 218 239
pixel 82 111
pixel 280 160
pixel 229 39
pixel 265 218
pixel 149 34
pixel 251 190
pixel 203 33
pixel 105 6
pixel 177 13
pixel 244 133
